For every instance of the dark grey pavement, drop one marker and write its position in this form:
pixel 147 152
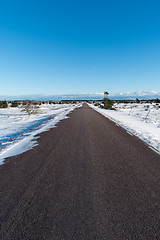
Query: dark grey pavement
pixel 87 179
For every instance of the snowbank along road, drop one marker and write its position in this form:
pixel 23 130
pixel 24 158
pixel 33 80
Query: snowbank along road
pixel 87 179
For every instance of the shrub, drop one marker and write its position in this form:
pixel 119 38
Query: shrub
pixel 30 108
pixel 3 104
pixel 157 100
pixel 108 103
pixel 14 104
pixel 96 104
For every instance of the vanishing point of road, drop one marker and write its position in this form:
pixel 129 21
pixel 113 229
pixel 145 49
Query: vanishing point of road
pixel 87 179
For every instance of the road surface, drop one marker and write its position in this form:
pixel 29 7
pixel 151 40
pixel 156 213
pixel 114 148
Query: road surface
pixel 87 179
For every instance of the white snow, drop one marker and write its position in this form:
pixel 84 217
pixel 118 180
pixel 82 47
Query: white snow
pixel 18 130
pixel 142 120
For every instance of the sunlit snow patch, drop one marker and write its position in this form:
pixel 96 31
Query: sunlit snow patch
pixel 142 120
pixel 19 132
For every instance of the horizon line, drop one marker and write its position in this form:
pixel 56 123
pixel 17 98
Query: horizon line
pixel 83 96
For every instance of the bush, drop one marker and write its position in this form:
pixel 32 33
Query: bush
pixel 96 104
pixel 157 100
pixel 3 104
pixel 14 104
pixel 30 108
pixel 108 103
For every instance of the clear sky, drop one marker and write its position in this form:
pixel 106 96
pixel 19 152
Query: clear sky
pixel 74 47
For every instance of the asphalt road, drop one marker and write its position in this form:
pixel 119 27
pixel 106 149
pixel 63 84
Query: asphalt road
pixel 87 179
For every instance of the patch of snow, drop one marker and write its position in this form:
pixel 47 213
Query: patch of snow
pixel 18 130
pixel 142 120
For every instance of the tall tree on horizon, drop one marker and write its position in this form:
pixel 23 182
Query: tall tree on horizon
pixel 105 94
pixel 108 103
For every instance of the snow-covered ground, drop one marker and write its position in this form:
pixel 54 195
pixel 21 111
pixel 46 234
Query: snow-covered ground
pixel 142 120
pixel 18 130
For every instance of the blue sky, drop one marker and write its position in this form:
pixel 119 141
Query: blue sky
pixel 75 47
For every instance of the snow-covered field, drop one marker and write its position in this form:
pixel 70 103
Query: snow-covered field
pixel 18 130
pixel 142 120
